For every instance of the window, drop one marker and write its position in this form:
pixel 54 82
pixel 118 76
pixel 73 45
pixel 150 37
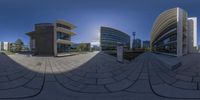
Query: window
pixel 63 26
pixel 63 36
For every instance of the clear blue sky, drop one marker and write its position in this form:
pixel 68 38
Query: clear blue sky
pixel 19 16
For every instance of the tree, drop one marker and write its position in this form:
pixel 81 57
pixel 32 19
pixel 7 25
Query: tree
pixel 19 44
pixel 81 47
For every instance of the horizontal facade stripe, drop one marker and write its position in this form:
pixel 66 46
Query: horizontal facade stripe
pixel 164 32
pixel 111 38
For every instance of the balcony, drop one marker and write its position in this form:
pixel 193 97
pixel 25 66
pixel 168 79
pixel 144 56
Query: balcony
pixel 62 22
pixel 60 41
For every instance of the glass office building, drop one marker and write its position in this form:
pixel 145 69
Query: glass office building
pixel 137 43
pixel 146 44
pixel 171 33
pixel 110 38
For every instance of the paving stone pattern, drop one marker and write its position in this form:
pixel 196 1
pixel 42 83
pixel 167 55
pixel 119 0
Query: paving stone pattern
pixel 96 76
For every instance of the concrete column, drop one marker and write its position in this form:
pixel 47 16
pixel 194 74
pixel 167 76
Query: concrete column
pixel 55 40
pixel 179 32
pixel 192 35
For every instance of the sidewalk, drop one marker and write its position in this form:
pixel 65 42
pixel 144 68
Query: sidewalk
pixel 93 76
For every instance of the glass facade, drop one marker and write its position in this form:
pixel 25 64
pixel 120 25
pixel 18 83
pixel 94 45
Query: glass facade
pixel 110 38
pixel 63 36
pixel 137 43
pixel 170 33
pixel 167 43
pixel 62 48
pixel 164 35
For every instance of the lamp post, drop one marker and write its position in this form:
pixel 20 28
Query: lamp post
pixel 133 43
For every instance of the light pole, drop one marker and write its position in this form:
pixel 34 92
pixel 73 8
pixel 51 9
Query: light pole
pixel 133 43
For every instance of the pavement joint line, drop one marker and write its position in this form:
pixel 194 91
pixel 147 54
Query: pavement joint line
pixel 56 68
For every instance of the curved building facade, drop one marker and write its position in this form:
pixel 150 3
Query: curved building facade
pixel 110 38
pixel 171 33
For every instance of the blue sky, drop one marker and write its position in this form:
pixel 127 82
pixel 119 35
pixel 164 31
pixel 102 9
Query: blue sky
pixel 19 16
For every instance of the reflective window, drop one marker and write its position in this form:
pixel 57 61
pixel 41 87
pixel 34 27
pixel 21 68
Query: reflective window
pixel 63 48
pixel 63 26
pixel 63 36
pixel 167 44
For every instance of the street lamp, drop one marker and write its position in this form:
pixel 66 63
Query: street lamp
pixel 133 43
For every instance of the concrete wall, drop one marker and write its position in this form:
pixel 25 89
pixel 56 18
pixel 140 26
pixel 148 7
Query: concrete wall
pixel 4 46
pixel 192 35
pixel 43 41
pixel 179 32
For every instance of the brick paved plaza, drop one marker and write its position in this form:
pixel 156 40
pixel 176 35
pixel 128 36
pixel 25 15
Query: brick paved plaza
pixel 98 76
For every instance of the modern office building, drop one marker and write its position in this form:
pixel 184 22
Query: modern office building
pixel 137 44
pixel 4 46
pixel 51 38
pixel 84 46
pixel 173 33
pixel 110 38
pixel 95 48
pixel 192 34
pixel 1 46
pixel 13 47
pixel 146 44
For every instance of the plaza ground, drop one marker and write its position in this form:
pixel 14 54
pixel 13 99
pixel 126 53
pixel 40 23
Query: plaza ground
pixel 97 76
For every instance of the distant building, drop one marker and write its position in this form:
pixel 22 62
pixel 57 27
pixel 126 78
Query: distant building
pixel 146 44
pixel 137 44
pixel 173 33
pixel 96 48
pixel 87 46
pixel 25 48
pixel 192 34
pixel 1 46
pixel 4 46
pixel 51 38
pixel 110 38
pixel 12 47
